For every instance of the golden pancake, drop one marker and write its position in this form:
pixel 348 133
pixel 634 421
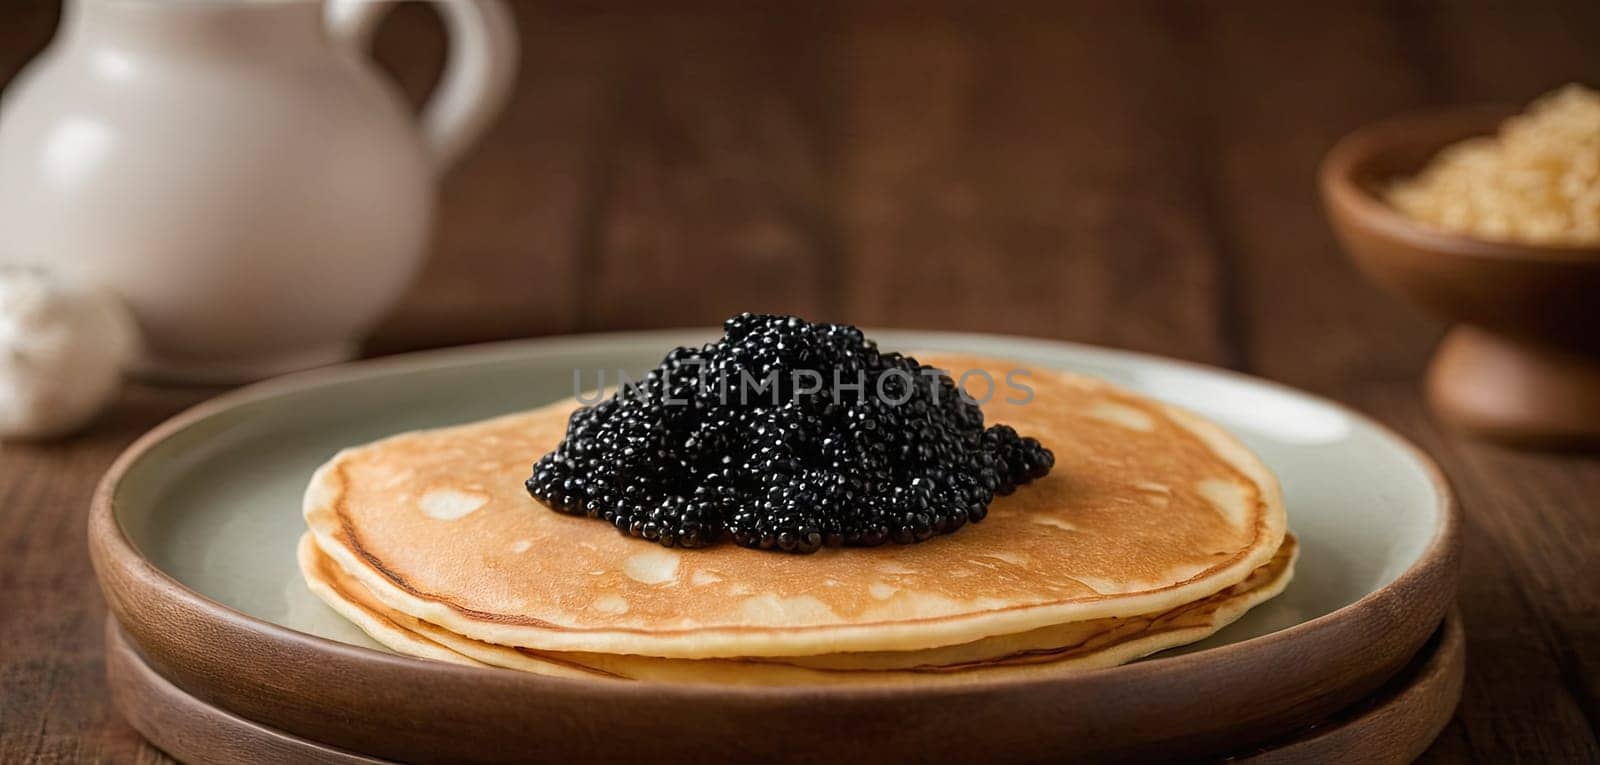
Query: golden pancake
pixel 355 603
pixel 1148 508
pixel 1093 645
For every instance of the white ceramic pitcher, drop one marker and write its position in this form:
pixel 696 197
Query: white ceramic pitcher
pixel 237 170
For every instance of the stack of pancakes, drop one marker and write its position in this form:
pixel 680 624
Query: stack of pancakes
pixel 1155 529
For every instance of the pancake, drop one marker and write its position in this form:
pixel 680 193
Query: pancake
pixel 1148 508
pixel 1096 644
pixel 352 601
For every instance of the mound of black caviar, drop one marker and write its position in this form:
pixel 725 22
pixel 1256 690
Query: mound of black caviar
pixel 786 435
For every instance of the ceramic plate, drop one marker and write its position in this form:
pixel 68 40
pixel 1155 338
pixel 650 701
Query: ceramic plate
pixel 203 515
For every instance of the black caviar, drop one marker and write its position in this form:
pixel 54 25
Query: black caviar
pixel 843 445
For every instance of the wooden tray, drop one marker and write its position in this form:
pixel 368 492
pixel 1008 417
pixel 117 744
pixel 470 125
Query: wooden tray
pixel 1393 726
pixel 193 531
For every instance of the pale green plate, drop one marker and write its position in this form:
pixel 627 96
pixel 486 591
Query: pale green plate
pixel 217 504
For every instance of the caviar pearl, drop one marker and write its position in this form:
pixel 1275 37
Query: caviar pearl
pixel 786 435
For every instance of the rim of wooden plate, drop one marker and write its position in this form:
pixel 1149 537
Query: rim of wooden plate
pixel 400 707
pixel 1397 724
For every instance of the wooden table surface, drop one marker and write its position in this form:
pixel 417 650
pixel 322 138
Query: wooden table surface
pixel 1137 175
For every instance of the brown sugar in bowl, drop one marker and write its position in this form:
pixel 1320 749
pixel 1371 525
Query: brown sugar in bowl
pixel 1521 365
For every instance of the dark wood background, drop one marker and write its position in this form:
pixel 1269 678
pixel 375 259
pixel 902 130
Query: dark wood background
pixel 1137 175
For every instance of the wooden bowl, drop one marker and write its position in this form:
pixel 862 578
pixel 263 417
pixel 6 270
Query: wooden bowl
pixel 1522 366
pixel 192 534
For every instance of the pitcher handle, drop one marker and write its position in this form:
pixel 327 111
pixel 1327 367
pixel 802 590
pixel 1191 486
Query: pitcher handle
pixel 478 74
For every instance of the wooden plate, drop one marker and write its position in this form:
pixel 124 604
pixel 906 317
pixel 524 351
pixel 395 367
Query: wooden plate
pixel 193 535
pixel 1395 725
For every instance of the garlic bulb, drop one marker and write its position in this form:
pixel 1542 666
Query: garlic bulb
pixel 62 351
